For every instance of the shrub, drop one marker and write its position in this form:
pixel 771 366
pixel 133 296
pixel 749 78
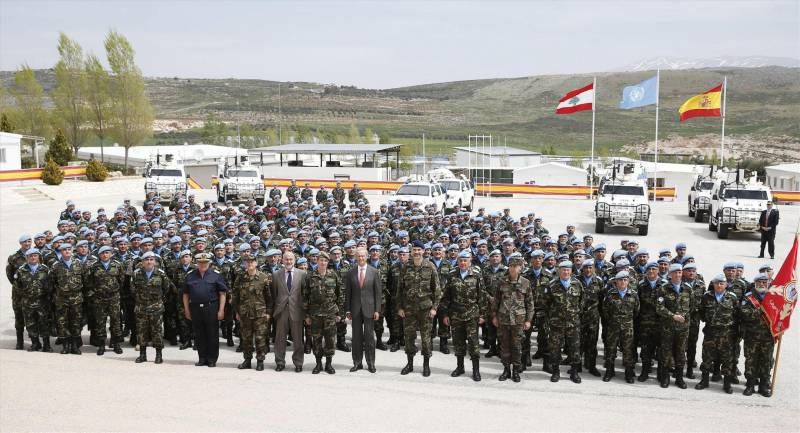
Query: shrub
pixel 96 171
pixel 59 150
pixel 52 174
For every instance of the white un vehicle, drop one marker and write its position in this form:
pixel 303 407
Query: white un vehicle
pixel 423 194
pixel 622 200
pixel 459 193
pixel 166 178
pixel 240 181
pixel 736 206
pixel 699 199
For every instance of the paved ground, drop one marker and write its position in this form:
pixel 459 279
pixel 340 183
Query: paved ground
pixel 52 392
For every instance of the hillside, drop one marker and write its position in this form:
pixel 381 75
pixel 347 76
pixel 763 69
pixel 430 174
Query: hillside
pixel 763 103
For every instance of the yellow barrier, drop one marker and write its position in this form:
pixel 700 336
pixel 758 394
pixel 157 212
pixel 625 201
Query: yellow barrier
pixel 36 173
pixel 793 196
pixel 193 184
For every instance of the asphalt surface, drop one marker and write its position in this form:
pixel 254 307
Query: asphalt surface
pixel 53 392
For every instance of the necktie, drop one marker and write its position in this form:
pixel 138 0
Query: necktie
pixel 289 281
pixel 361 278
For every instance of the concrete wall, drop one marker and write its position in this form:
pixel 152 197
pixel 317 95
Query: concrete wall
pixel 549 175
pixel 10 157
pixel 682 182
pixel 201 173
pixel 331 173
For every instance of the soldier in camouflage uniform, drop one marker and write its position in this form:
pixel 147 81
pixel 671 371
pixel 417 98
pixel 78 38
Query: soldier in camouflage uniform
pixel 105 277
pixel 149 285
pixel 512 313
pixel 444 269
pixel 739 287
pixel 224 267
pixel 174 303
pixel 418 298
pixel 382 266
pixel 14 262
pixel 697 284
pixel 492 273
pixel 620 307
pixel 252 300
pixel 341 267
pixel 393 282
pixel 323 302
pixel 539 278
pixel 463 306
pixel 593 293
pixel 33 283
pixel 718 309
pixel 339 195
pixel 67 281
pixel 758 341
pixel 292 191
pixel 674 307
pixel 564 300
pixel 649 325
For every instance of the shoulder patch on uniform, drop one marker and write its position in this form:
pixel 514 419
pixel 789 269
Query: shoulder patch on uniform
pixel 660 299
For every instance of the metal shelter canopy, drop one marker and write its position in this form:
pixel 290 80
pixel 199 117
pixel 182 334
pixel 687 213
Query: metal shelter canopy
pixel 330 149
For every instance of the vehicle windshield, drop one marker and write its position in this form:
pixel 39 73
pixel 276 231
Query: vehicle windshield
pixel 414 190
pixel 746 194
pixel 450 185
pixel 168 172
pixel 242 173
pixel 623 190
pixel 705 186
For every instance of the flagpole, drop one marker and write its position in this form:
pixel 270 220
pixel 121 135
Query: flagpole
pixel 724 103
pixel 591 163
pixel 658 97
pixel 775 366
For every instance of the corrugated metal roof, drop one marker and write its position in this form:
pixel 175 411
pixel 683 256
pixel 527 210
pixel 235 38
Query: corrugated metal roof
pixel 328 148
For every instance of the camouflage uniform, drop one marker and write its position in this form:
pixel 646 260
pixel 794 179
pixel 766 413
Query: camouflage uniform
pixel 393 286
pixel 343 268
pixel 620 313
pixel 338 197
pixel 323 301
pixel 173 303
pixel 67 283
pixel 490 278
pixel 674 335
pixel 439 329
pixel 149 297
pixel 593 291
pixel 14 262
pixel 698 289
pixel 512 305
pixel 106 284
pixel 564 306
pixel 464 302
pixel 649 325
pixel 539 286
pixel 718 331
pixel 34 292
pixel 252 300
pixel 419 292
pixel 383 273
pixel 758 342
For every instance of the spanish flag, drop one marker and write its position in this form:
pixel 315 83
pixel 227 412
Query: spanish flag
pixel 706 104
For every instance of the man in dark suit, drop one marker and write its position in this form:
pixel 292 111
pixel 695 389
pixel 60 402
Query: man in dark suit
pixel 363 305
pixel 768 222
pixel 288 285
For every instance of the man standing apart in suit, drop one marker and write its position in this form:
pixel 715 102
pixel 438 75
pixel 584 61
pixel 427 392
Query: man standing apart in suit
pixel 418 296
pixel 363 300
pixel 288 285
pixel 768 222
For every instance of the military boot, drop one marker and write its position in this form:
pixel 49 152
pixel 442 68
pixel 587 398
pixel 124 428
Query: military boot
pixel 573 374
pixel 735 379
pixel 117 348
pixel 506 373
pixel 426 367
pixel 101 349
pixel 703 384
pixel 716 376
pixel 318 367
pixel 394 347
pixel 20 339
pixel 645 374
pixel 328 367
pixel 159 359
pixel 185 344
pixel 592 369
pixel 75 347
pixel 443 347
pixel 476 370
pixel 526 360
pixel 679 379
pixel 307 345
pixel 142 355
pixel 609 372
pixel 459 367
pixel 763 387
pixel 492 350
pixel 630 375
pixel 749 387
pixel 342 345
pixel 664 382
pixel 65 346
pixel 229 333
pixel 246 364
pixel 546 366
pixel 379 344
pixel 689 371
pixel 409 365
pixel 555 373
pixel 726 385
pixel 515 374
pixel 259 365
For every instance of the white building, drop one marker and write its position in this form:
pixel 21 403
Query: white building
pixel 784 177
pixel 496 157
pixel 671 175
pixel 188 154
pixel 550 173
pixel 10 153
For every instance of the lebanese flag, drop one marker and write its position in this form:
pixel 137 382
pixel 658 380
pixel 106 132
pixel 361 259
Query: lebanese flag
pixel 781 296
pixel 577 100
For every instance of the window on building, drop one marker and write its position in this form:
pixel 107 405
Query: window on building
pixel 2 155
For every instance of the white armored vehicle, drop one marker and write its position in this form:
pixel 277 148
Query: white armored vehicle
pixel 737 205
pixel 240 181
pixel 699 199
pixel 622 199
pixel 164 176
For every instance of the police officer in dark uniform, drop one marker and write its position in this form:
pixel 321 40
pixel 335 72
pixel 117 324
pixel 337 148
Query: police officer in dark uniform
pixel 204 304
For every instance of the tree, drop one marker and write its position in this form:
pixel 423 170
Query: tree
pixel 98 99
pixel 214 131
pixel 29 98
pixel 69 94
pixel 353 134
pixel 133 114
pixel 384 138
pixel 52 174
pixel 5 123
pixel 96 171
pixel 59 150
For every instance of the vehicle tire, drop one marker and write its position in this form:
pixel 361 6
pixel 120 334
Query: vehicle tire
pixel 220 198
pixel 691 213
pixel 643 230
pixel 460 205
pixel 471 203
pixel 260 201
pixel 599 225
pixel 711 226
pixel 722 231
pixel 698 216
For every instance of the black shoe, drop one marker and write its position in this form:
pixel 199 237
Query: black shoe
pixel 185 345
pixel 593 371
pixel 142 355
pixel 356 367
pixel 539 354
pixel 117 348
pixel 298 369
pixel 46 344
pixel 426 368
pixel 75 347
pixel 630 375
pixel 761 256
pixel 665 380
pixel 259 365
pixel 341 345
pixel 371 368
pixel 230 342
pixel 409 365
pixel 280 367
pixel 201 363
pixel 246 364
pixel 239 348
pixel 703 384
pixel 574 376
pixel 36 345
pixel 380 345
pixel 159 359
pixel 749 388
pixel 212 364
pixel 394 347
pixel 65 349
pixel 101 349
pixel 443 346
pixel 492 351
pixel 459 367
pixel 689 372
pixel 476 371
pixel 734 380
pixel 515 375
pixel 526 361
pixel 608 374
pixel 726 385
pixel 307 345
pixel 505 374
pixel 20 340
pixel 643 376
pixel 763 388
pixel 679 379
pixel 556 374
pixel 716 377
pixel 318 367
pixel 328 367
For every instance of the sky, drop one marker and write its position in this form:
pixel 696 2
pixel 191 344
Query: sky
pixel 384 44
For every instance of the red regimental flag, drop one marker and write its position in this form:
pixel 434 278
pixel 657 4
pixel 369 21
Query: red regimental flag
pixel 781 296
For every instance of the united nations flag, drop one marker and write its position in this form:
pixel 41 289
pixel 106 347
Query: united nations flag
pixel 639 95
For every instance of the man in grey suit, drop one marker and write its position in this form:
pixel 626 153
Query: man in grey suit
pixel 362 302
pixel 288 285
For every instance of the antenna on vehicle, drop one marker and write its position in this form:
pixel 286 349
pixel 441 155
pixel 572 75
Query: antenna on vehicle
pixel 613 177
pixel 737 183
pixel 158 158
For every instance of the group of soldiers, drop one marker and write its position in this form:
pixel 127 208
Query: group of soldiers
pixel 480 280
